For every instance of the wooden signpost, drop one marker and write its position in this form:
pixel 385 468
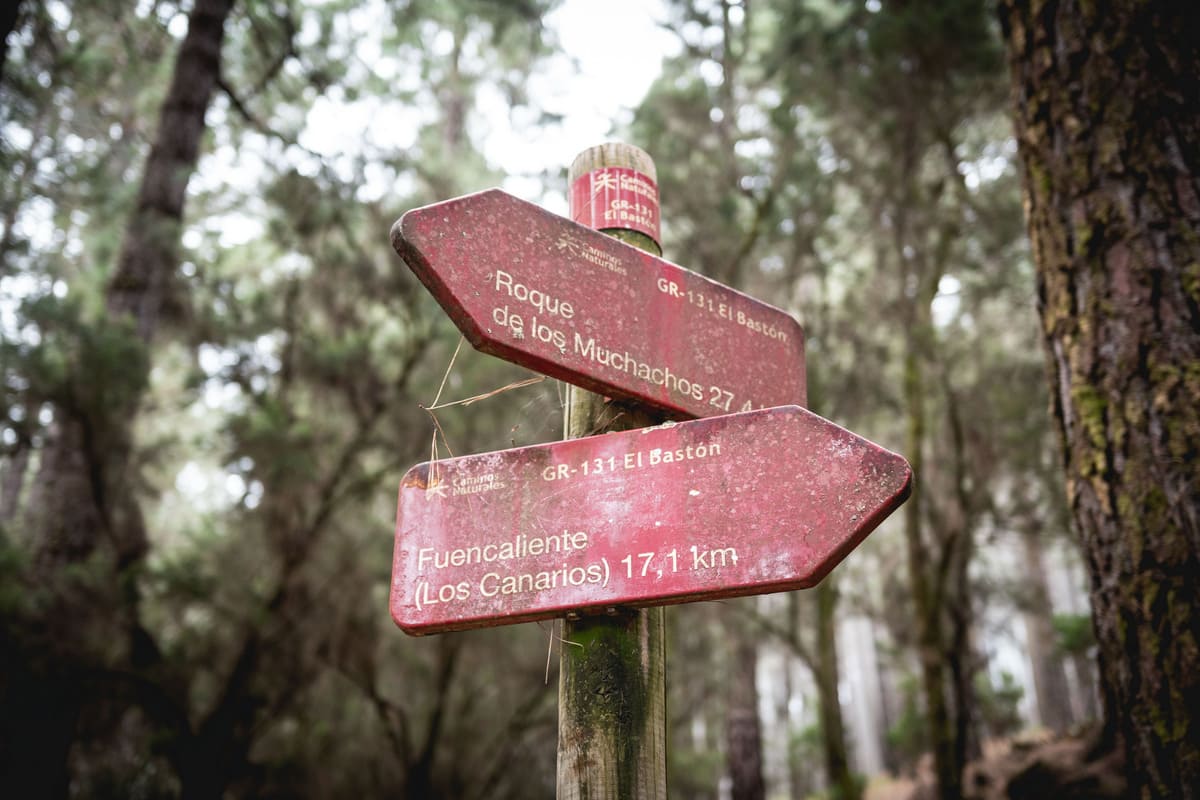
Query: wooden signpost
pixel 757 496
pixel 739 504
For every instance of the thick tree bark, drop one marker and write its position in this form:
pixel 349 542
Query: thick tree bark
pixel 1107 113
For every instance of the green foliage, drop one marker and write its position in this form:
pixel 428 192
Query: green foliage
pixel 998 705
pixel 1075 633
pixel 806 747
pixel 14 563
pixel 908 736
pixel 80 364
pixel 693 773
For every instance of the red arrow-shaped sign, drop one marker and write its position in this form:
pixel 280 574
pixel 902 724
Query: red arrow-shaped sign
pixel 539 290
pixel 748 503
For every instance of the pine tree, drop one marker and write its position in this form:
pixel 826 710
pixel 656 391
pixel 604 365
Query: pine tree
pixel 1108 126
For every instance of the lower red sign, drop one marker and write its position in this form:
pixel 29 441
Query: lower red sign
pixel 749 503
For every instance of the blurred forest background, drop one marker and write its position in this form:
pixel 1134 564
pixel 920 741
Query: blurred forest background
pixel 213 364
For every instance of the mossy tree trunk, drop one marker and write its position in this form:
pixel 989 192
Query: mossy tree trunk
pixel 1107 115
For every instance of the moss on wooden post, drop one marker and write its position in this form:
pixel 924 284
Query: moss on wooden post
pixel 612 681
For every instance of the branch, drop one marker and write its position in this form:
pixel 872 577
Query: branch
pixel 253 120
pixel 789 636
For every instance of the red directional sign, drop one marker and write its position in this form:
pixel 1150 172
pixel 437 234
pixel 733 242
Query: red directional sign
pixel 740 504
pixel 552 295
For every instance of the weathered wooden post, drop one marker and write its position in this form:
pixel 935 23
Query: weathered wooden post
pixel 612 680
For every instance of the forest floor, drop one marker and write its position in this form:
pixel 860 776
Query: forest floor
pixel 1064 767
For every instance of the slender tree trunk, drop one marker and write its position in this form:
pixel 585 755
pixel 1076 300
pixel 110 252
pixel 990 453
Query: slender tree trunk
pixel 146 269
pixel 961 658
pixel 1049 673
pixel 963 663
pixel 1107 120
pixel 833 730
pixel 884 678
pixel 795 769
pixel 420 778
pixel 930 639
pixel 1085 678
pixel 743 732
pixel 12 481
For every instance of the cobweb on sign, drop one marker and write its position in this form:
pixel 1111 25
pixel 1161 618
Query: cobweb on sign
pixel 437 405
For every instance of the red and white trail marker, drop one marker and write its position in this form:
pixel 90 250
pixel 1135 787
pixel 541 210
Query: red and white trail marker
pixel 549 294
pixel 740 504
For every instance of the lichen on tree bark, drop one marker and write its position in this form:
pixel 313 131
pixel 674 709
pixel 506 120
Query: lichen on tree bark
pixel 1108 128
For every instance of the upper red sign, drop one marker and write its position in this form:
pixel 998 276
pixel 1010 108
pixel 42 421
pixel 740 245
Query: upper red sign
pixel 544 292
pixel 740 504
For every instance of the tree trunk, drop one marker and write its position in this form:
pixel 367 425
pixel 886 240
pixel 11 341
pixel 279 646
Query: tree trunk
pixel 961 658
pixel 885 678
pixel 145 275
pixel 930 638
pixel 742 729
pixel 1085 680
pixel 796 770
pixel 84 500
pixel 1108 128
pixel 1049 672
pixel 833 731
pixel 86 494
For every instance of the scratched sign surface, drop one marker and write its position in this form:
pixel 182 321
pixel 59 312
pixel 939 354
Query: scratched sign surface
pixel 747 503
pixel 549 294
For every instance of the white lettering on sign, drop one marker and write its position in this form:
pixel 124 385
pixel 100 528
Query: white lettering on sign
pixel 624 362
pixel 520 547
pixel 499 581
pixel 590 253
pixel 493 583
pixel 720 309
pixel 522 324
pixel 504 576
pixel 541 301
pixel 475 484
pixel 630 461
